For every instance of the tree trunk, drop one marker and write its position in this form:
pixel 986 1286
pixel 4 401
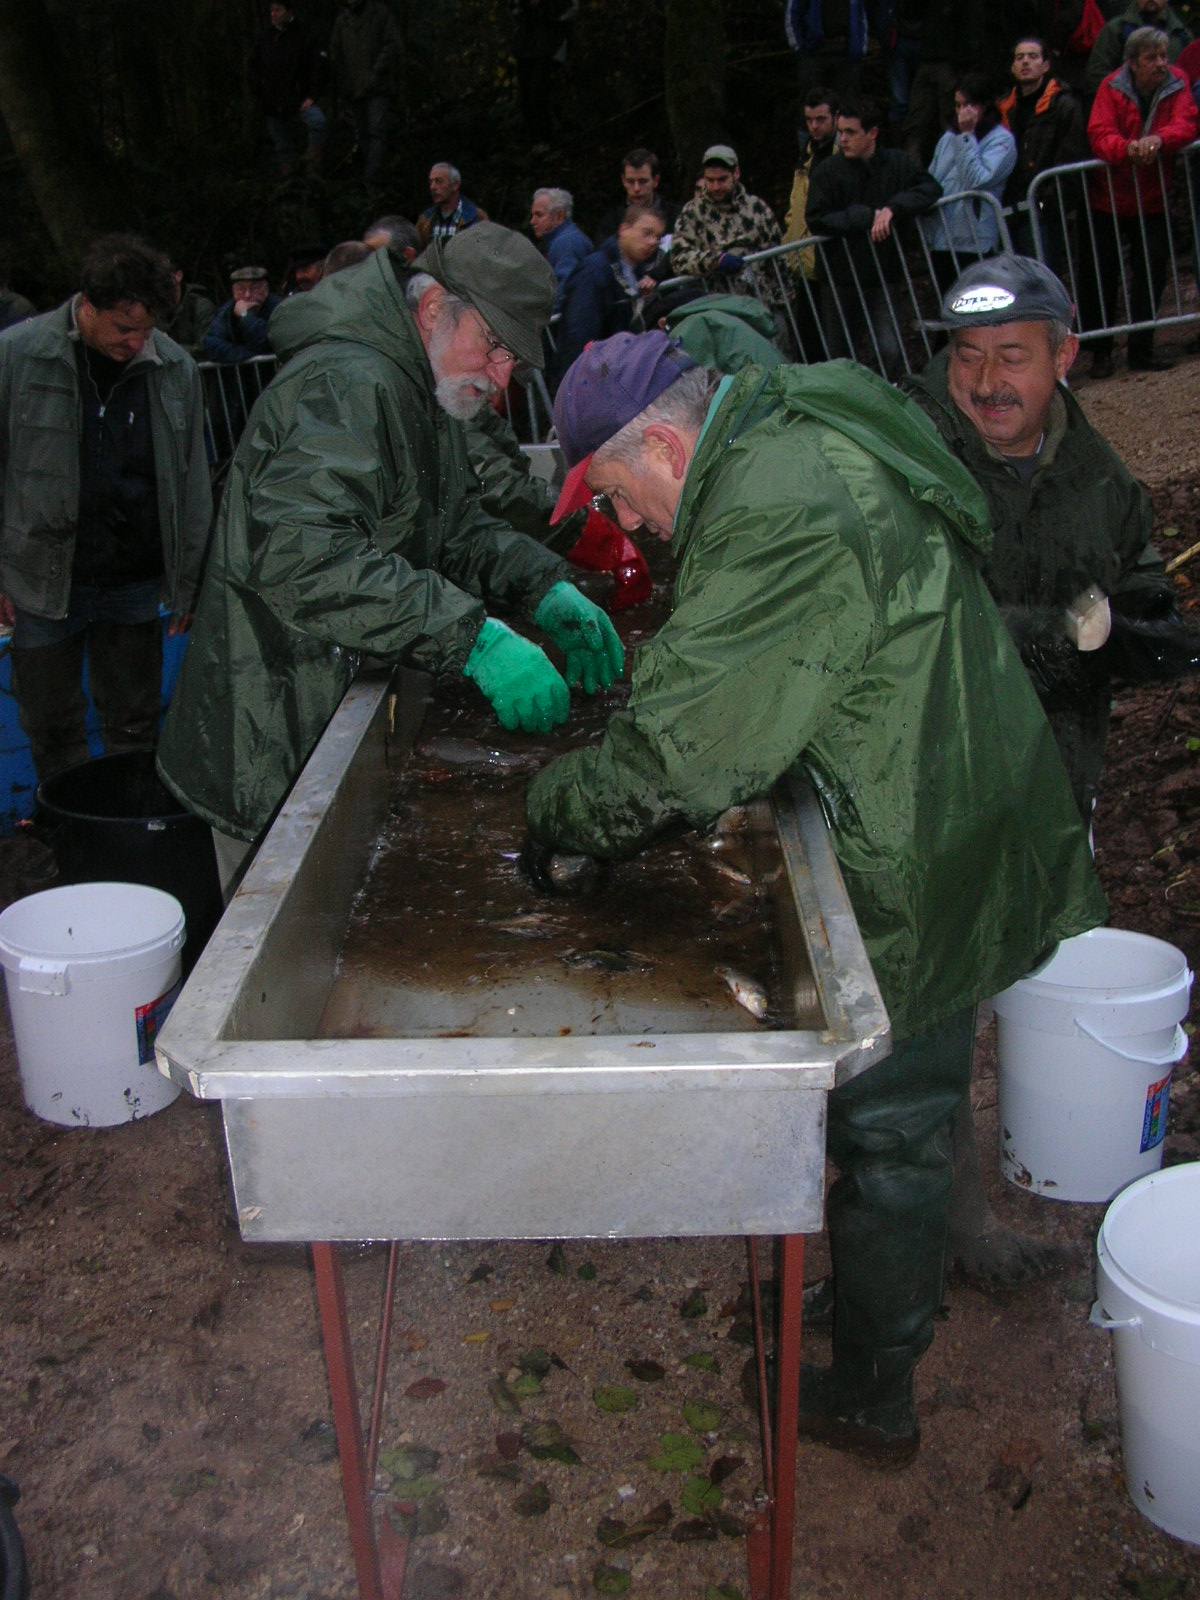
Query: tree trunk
pixel 694 69
pixel 60 155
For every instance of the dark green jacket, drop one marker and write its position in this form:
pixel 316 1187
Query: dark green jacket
pixel 726 331
pixel 1083 519
pixel 509 489
pixel 364 49
pixel 40 437
pixel 351 522
pixel 828 610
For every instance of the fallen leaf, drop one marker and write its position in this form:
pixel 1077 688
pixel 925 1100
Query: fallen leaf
pixel 616 1535
pixel 587 1272
pixel 533 1502
pixel 556 1261
pixel 702 1415
pixel 700 1496
pixel 480 1336
pixel 502 1305
pixel 1010 1483
pixel 722 1591
pixel 702 1361
pixel 694 1532
pixel 696 1305
pixel 536 1361
pixel 409 1461
pixel 503 1397
pixel 678 1452
pixel 481 1273
pixel 416 1518
pixel 501 1471
pixel 614 1397
pixel 646 1371
pixel 508 1445
pixel 526 1385
pixel 546 1441
pixel 724 1468
pixel 610 1580
pixel 424 1388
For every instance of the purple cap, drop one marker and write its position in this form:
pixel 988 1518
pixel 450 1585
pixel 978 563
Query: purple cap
pixel 609 384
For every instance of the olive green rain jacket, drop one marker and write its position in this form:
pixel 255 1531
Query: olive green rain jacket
pixel 351 522
pixel 828 610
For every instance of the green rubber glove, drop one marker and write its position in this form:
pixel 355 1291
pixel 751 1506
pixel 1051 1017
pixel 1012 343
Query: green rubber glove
pixel 518 678
pixel 584 635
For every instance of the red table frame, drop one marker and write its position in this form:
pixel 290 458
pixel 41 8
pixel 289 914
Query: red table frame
pixel 381 1554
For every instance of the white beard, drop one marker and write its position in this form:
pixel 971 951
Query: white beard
pixel 460 397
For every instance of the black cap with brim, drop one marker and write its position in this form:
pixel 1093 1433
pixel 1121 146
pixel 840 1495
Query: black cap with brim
pixel 1003 289
pixel 504 276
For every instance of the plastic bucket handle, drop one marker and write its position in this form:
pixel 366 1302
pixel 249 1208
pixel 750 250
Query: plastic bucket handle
pixel 43 977
pixel 1174 1052
pixel 1099 1318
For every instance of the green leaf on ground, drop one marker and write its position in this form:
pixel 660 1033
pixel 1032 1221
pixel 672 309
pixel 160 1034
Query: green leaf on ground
pixel 614 1397
pixel 646 1371
pixel 502 1397
pixel 696 1305
pixel 547 1442
pixel 610 1580
pixel 537 1361
pixel 587 1272
pixel 722 1591
pixel 702 1415
pixel 678 1452
pixel 702 1361
pixel 526 1385
pixel 533 1502
pixel 695 1531
pixel 741 1332
pixel 415 1521
pixel 556 1261
pixel 409 1461
pixel 700 1497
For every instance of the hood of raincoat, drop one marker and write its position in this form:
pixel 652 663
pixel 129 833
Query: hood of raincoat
pixel 362 305
pixel 868 411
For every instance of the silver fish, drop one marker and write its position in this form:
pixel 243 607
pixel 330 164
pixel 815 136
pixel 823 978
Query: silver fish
pixel 748 994
pixel 467 755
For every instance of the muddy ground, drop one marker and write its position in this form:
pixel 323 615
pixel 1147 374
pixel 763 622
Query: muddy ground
pixel 163 1403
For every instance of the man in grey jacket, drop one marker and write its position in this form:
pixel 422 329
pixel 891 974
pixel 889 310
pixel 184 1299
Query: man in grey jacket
pixel 106 502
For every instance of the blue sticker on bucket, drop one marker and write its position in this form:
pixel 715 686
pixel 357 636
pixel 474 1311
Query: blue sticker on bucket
pixel 1154 1121
pixel 150 1018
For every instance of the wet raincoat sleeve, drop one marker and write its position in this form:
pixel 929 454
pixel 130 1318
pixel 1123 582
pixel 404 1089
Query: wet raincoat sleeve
pixel 343 548
pixel 727 693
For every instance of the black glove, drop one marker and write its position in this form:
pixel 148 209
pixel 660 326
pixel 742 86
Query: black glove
pixel 553 873
pixel 1058 671
pixel 1151 650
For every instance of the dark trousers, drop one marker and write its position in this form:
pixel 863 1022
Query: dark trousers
pixel 371 117
pixel 1146 275
pixel 889 1134
pixel 125 676
pixel 870 322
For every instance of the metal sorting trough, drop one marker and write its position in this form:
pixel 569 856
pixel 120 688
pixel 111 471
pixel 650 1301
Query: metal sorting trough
pixel 513 1135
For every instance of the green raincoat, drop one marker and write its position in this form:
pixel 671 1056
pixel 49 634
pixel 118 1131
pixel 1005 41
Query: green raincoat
pixel 351 522
pixel 828 610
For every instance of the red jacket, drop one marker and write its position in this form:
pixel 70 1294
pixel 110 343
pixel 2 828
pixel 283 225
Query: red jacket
pixel 1116 119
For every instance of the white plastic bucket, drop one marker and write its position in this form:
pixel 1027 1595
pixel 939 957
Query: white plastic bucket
pixel 1148 1294
pixel 91 971
pixel 1086 1045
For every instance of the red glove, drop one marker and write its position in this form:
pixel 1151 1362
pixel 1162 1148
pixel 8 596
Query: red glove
pixel 603 547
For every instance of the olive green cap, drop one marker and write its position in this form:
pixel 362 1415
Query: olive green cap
pixel 504 276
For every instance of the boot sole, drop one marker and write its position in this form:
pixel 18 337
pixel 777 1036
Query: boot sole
pixel 870 1445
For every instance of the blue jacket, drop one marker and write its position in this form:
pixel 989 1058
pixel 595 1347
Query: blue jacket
pixel 231 339
pixel 595 303
pixel 566 246
pixel 963 162
pixel 803 24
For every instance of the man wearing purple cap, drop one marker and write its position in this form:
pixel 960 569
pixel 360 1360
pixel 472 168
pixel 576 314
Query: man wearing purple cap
pixel 829 612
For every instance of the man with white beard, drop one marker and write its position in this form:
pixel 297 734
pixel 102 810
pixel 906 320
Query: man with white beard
pixel 351 525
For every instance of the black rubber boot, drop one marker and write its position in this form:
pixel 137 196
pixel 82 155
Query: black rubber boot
pixel 987 1253
pixel 864 1405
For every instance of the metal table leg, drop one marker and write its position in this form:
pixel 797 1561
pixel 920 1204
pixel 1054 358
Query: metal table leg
pixel 379 1563
pixel 769 1541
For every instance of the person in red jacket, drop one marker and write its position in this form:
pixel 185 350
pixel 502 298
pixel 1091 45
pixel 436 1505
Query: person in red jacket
pixel 1142 116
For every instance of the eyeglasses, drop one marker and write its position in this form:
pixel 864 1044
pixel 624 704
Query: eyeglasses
pixel 498 355
pixel 602 504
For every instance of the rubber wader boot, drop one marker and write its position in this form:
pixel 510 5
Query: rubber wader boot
pixel 988 1254
pixel 889 1136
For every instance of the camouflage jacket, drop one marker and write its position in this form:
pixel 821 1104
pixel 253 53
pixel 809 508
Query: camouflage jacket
pixel 704 232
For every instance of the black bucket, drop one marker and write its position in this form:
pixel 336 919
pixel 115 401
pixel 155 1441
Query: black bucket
pixel 113 820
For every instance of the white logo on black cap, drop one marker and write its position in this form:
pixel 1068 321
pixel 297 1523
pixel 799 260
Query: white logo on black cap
pixel 987 297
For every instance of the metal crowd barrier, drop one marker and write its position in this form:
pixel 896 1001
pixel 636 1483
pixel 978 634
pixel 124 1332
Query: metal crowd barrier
pixel 230 391
pixel 1077 241
pixel 879 310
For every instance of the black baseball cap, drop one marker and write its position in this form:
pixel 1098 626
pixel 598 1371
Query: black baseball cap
pixel 504 276
pixel 1004 289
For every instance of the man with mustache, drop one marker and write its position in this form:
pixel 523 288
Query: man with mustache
pixel 351 524
pixel 1068 519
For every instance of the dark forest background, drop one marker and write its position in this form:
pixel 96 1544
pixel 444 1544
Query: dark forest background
pixel 137 114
